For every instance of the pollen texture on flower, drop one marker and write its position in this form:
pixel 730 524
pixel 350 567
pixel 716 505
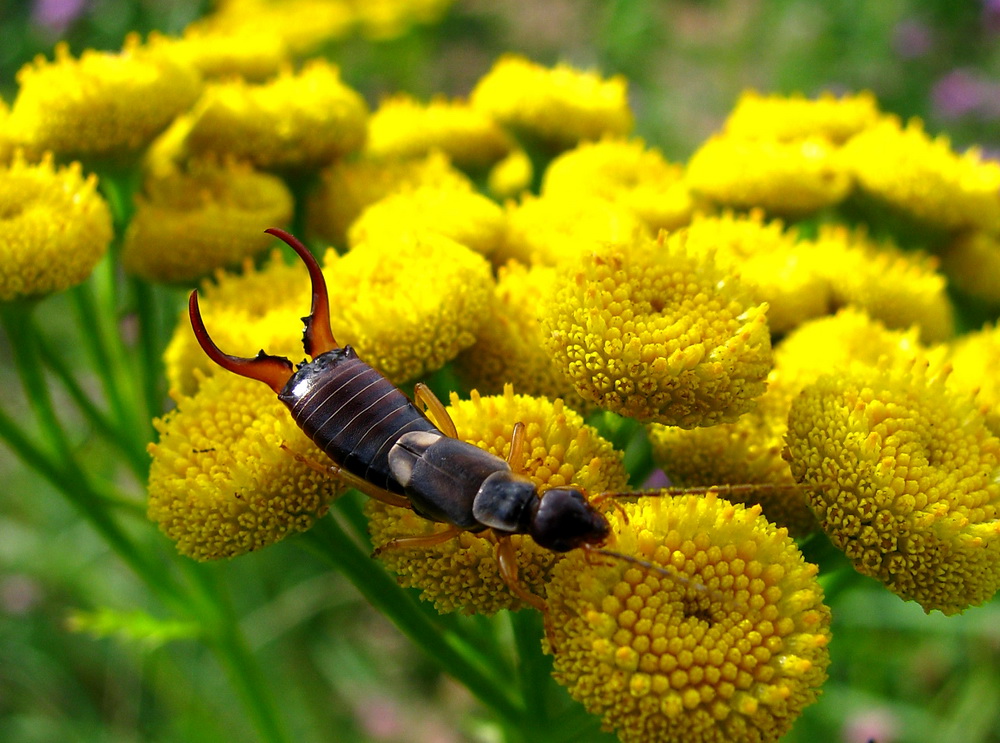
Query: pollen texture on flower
pixel 55 227
pixel 656 332
pixel 975 358
pixel 462 574
pixel 906 480
pixel 729 643
pixel 224 480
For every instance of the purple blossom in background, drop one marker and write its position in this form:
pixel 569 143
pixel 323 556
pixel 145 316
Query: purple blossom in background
pixel 962 93
pixel 991 16
pixel 872 724
pixel 912 39
pixel 57 15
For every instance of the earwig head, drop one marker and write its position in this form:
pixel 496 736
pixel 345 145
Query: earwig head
pixel 565 520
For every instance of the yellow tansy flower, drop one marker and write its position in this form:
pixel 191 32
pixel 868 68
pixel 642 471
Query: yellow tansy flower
pixel 905 477
pixel 794 117
pixel 658 332
pixel 976 358
pixel 509 347
pixel 558 228
pixel 221 484
pixel 302 25
pixel 102 104
pixel 189 223
pixel 729 645
pixel 459 213
pixel 511 176
pixel 899 288
pixel 55 227
pixel 972 262
pixel 252 55
pixel 298 121
pixel 347 188
pixel 786 178
pixel 924 178
pixel 402 127
pixel 625 172
pixel 462 574
pixel 559 106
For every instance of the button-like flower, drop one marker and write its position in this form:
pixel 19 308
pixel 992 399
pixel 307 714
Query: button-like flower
pixel 788 118
pixel 656 331
pixel 251 55
pixel 221 484
pixel 906 480
pixel 301 25
pixel 462 573
pixel 727 644
pixel 55 227
pixel 296 121
pixel 511 176
pixel 402 127
pixel 189 223
pixel 627 173
pixel 559 106
pixel 972 262
pixel 102 104
pixel 924 178
pixel 976 358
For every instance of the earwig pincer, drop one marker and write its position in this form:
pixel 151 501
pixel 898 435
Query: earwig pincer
pixel 384 444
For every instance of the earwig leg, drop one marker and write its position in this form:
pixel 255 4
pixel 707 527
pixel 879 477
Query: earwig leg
pixel 427 401
pixel 515 458
pixel 335 470
pixel 508 571
pixel 598 499
pixel 428 540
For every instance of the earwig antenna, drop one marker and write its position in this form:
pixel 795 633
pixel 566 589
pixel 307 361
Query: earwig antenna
pixel 274 371
pixel 318 336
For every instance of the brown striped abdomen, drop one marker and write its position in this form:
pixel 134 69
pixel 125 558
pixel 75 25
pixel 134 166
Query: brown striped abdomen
pixel 352 413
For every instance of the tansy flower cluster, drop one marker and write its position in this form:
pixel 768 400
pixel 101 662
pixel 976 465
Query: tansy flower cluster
pixel 754 315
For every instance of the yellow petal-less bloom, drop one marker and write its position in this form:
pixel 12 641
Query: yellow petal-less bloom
pixel 658 332
pixel 102 104
pixel 905 480
pixel 403 127
pixel 462 574
pixel 791 179
pixel 794 117
pixel 251 55
pixel 301 25
pixel 512 176
pixel 460 213
pixel 347 188
pixel 972 262
pixel 731 646
pixel 625 172
pixel 509 347
pixel 55 227
pixel 190 223
pixel 899 288
pixel 559 106
pixel 554 229
pixel 975 358
pixel 296 121
pixel 924 178
pixel 220 483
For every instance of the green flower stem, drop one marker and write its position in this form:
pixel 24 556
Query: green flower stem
pixel 150 347
pixel 329 540
pixel 533 673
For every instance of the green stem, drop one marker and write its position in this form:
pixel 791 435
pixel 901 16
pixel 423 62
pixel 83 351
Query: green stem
pixel 533 671
pixel 150 348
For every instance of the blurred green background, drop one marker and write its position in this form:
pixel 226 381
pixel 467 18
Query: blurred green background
pixel 342 672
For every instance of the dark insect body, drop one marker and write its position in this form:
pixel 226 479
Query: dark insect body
pixel 382 443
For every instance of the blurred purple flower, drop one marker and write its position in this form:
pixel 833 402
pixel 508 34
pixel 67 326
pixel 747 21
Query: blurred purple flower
pixel 871 724
pixel 991 16
pixel 962 93
pixel 912 39
pixel 57 15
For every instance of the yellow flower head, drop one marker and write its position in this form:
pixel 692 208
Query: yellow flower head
pixel 453 211
pixel 509 348
pixel 402 127
pixel 625 172
pixel 347 188
pixel 899 288
pixel 297 121
pixel 788 118
pixel 511 176
pixel 190 223
pixel 301 25
pixel 976 358
pixel 924 178
pixel 729 645
pixel 655 331
pixel 252 55
pixel 787 178
pixel 54 225
pixel 389 19
pixel 558 228
pixel 103 103
pixel 559 106
pixel 788 274
pixel 409 303
pixel 462 574
pixel 221 484
pixel 906 480
pixel 972 262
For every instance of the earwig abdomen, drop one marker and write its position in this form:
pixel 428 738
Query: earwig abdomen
pixel 353 414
